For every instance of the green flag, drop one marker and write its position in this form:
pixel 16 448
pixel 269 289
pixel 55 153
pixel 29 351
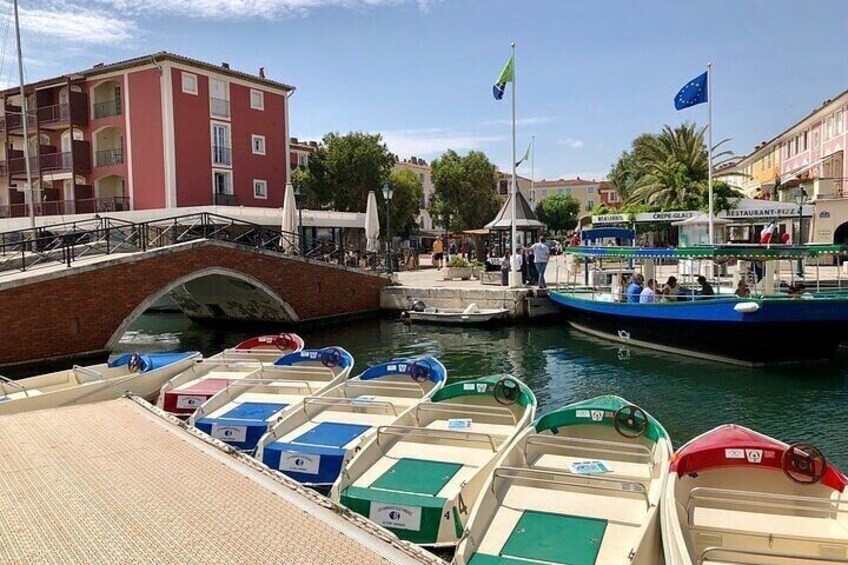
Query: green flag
pixel 526 154
pixel 507 75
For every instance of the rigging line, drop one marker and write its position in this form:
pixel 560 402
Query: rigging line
pixel 5 44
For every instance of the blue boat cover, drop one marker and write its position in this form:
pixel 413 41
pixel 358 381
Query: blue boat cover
pixel 254 411
pixel 436 372
pixel 316 456
pixel 339 356
pixel 248 419
pixel 153 361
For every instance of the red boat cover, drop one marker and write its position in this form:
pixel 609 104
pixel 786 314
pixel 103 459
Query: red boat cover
pixel 285 343
pixel 731 445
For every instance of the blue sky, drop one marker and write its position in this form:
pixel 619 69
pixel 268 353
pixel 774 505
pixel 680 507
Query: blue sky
pixel 591 75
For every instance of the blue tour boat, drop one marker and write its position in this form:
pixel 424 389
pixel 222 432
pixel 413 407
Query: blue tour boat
pixel 769 326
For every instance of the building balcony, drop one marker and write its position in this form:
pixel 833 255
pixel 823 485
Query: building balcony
pixel 109 157
pixel 225 200
pixel 107 109
pixel 222 155
pixel 51 161
pixel 66 207
pixel 219 107
pixel 49 116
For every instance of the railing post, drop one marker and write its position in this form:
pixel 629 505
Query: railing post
pixel 66 252
pixel 174 233
pixel 108 241
pixel 23 256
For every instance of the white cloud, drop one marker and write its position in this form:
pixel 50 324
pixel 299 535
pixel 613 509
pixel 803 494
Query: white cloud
pixel 434 141
pixel 572 143
pixel 246 9
pixel 70 22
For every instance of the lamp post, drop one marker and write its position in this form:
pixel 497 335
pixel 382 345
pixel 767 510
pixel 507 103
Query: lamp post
pixel 298 193
pixel 387 194
pixel 800 199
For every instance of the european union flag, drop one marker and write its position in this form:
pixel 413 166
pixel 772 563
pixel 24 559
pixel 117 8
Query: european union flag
pixel 694 93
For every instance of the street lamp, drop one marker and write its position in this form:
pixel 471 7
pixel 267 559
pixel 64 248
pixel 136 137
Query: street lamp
pixel 298 193
pixel 387 195
pixel 800 199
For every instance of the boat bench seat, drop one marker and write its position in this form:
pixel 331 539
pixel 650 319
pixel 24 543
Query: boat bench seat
pixel 766 524
pixel 636 472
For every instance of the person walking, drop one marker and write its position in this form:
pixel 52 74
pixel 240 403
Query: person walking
pixel 541 254
pixel 438 253
pixel 505 269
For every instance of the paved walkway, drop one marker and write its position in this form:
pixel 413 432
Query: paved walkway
pixel 115 482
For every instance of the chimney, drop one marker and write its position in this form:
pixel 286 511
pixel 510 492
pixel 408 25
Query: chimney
pixel 578 178
pixel 294 140
pixel 225 64
pixel 261 72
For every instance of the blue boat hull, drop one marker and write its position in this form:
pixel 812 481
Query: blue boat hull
pixel 781 330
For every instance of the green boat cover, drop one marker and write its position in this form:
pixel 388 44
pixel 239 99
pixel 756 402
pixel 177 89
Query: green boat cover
pixel 486 559
pixel 599 410
pixel 555 538
pixel 417 476
pixel 483 386
pixel 710 252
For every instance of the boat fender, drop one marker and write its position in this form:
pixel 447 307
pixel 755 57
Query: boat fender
pixel 747 307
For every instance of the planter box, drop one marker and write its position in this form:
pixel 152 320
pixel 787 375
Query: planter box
pixel 464 273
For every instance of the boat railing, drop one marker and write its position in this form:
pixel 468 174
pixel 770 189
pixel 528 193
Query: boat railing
pixel 354 403
pixel 88 371
pixel 15 384
pixel 411 431
pixel 254 363
pixel 701 496
pixel 467 410
pixel 614 448
pixel 564 478
pixel 723 554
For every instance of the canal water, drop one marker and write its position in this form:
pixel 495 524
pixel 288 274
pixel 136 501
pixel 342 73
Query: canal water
pixel 798 403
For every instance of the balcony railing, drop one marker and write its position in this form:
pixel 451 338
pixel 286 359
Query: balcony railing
pixel 107 109
pixel 222 155
pixel 52 162
pixel 220 107
pixel 225 200
pixel 65 207
pixel 109 157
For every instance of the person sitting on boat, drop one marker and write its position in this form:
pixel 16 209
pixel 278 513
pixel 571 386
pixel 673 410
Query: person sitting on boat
pixel 706 288
pixel 649 293
pixel 619 288
pixel 742 290
pixel 635 288
pixel 671 291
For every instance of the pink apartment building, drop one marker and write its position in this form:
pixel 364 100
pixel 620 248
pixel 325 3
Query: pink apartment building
pixel 159 131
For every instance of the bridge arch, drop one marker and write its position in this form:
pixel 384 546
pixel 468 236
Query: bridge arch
pixel 199 293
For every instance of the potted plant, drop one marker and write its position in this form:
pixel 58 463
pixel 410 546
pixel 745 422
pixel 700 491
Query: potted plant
pixel 458 268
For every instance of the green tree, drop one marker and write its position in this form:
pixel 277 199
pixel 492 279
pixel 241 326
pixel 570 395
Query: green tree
pixel 464 195
pixel 344 169
pixel 407 193
pixel 559 212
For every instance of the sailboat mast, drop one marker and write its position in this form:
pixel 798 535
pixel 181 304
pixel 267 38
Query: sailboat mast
pixel 28 191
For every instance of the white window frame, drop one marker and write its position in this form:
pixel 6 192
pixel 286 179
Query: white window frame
pixel 227 173
pixel 226 99
pixel 264 185
pixel 228 146
pixel 261 94
pixel 253 139
pixel 302 160
pixel 193 77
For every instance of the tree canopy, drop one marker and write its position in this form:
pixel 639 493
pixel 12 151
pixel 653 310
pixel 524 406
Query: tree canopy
pixel 559 212
pixel 670 170
pixel 464 194
pixel 407 193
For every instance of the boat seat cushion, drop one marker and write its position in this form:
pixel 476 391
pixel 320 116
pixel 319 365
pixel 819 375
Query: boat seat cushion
pixel 797 527
pixel 417 476
pixel 486 559
pixel 331 434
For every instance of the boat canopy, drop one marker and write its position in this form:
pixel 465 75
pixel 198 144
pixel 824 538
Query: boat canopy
pixel 483 386
pixel 604 233
pixel 600 410
pixel 755 252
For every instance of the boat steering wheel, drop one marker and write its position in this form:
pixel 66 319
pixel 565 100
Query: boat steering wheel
pixel 331 357
pixel 283 342
pixel 803 463
pixel 506 391
pixel 134 362
pixel 420 371
pixel 630 421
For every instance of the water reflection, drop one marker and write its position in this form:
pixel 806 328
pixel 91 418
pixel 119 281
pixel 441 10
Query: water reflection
pixel 793 403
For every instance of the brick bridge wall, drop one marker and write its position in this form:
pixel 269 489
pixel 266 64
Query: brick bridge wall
pixel 79 310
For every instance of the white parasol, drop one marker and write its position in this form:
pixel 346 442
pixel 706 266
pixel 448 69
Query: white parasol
pixel 372 225
pixel 289 227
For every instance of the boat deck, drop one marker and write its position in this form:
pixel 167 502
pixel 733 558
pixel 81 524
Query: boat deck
pixel 119 482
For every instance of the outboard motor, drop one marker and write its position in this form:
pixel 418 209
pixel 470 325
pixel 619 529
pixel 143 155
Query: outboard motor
pixel 418 305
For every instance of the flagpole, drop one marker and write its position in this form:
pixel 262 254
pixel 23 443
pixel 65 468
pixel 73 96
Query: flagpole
pixel 710 150
pixel 514 174
pixel 533 170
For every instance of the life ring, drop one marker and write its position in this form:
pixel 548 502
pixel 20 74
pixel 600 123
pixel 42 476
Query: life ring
pixel 134 362
pixel 331 357
pixel 283 342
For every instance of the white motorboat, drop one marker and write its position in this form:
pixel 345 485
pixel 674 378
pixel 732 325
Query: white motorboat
pixel 582 485
pixel 471 315
pixel 420 476
pixel 141 374
pixel 265 348
pixel 735 496
pixel 312 443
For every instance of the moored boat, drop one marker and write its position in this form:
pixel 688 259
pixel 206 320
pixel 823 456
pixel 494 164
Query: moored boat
pixel 141 374
pixel 581 485
pixel 265 348
pixel 469 316
pixel 242 412
pixel 735 496
pixel 186 392
pixel 420 477
pixel 766 327
pixel 313 442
